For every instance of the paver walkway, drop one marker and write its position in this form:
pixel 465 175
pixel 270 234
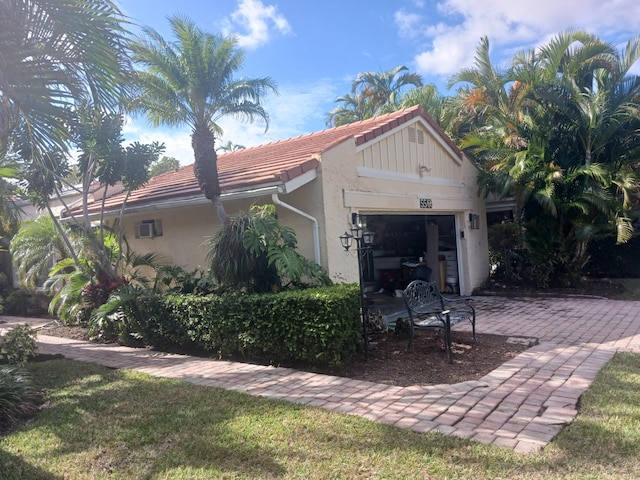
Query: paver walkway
pixel 522 405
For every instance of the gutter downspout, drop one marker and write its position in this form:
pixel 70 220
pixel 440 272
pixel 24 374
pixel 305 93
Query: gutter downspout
pixel 316 230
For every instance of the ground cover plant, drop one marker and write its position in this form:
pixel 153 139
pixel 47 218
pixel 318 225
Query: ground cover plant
pixel 104 423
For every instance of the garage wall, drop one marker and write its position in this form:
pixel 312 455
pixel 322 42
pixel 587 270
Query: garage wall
pixel 386 177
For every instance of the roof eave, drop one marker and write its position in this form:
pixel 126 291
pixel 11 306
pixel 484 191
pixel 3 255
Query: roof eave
pixel 281 187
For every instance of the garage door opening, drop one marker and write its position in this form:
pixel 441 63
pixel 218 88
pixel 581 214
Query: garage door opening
pixel 405 244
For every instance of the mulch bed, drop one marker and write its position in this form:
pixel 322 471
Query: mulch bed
pixel 389 361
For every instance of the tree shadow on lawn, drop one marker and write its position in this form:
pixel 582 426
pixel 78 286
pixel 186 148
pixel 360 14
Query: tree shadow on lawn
pixel 120 420
pixel 13 467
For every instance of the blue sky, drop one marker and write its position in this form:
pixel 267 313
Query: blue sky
pixel 314 49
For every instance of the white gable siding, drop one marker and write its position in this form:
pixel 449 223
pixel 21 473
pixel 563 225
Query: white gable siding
pixel 406 150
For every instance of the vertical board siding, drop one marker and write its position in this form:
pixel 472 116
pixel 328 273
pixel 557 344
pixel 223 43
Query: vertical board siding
pixel 396 153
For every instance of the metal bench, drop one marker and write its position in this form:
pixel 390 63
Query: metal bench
pixel 429 310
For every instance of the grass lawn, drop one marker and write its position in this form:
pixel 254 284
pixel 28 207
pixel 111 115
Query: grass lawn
pixel 102 423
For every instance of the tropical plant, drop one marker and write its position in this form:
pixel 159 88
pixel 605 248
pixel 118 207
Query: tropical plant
pixel 351 108
pixel 557 133
pixel 373 93
pixel 81 289
pixel 35 249
pixel 164 165
pixel 255 252
pixel 229 146
pixel 52 54
pixel 18 345
pixel 9 169
pixel 429 98
pixel 384 89
pixel 191 82
pixel 18 397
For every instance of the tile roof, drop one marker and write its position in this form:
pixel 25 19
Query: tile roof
pixel 267 165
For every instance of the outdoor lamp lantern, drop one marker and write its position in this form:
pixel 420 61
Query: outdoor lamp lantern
pixel 345 239
pixel 367 238
pixel 364 240
pixel 356 232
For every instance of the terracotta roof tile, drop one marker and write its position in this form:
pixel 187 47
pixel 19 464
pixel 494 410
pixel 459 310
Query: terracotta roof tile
pixel 269 164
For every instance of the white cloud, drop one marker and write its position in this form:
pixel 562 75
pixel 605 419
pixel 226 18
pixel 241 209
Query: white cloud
pixel 177 141
pixel 511 26
pixel 257 19
pixel 297 111
pixel 408 23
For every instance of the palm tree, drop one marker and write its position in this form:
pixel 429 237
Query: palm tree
pixel 561 140
pixel 429 98
pixel 373 93
pixel 191 82
pixel 229 146
pixel 384 88
pixel 351 108
pixel 52 54
pixel 36 248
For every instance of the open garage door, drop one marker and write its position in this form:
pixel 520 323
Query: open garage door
pixel 405 244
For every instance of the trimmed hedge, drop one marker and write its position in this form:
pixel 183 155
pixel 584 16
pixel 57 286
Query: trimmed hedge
pixel 320 325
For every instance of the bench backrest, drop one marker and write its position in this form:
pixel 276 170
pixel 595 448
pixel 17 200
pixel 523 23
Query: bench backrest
pixel 423 297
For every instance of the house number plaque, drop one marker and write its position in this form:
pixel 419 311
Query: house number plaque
pixel 426 203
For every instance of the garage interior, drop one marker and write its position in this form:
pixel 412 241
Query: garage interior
pixel 404 242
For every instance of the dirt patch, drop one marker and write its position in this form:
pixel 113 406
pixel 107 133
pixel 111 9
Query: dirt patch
pixel 426 363
pixel 74 332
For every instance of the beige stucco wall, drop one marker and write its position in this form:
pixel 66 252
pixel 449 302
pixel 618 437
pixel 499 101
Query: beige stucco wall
pixel 186 230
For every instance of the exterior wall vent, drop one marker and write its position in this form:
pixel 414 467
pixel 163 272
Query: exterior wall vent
pixel 412 134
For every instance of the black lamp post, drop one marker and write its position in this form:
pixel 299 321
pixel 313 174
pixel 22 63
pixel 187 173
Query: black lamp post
pixel 364 241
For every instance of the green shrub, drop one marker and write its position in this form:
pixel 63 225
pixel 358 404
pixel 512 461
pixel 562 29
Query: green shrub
pixel 317 325
pixel 17 303
pixel 18 398
pixel 18 345
pixel 610 260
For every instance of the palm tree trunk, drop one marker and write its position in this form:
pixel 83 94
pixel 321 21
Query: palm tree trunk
pixel 205 169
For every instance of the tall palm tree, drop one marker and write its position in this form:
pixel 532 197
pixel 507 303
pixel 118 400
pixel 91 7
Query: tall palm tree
pixel 190 81
pixel 429 98
pixel 373 93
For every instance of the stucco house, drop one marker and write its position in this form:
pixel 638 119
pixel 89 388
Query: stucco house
pixel 400 172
